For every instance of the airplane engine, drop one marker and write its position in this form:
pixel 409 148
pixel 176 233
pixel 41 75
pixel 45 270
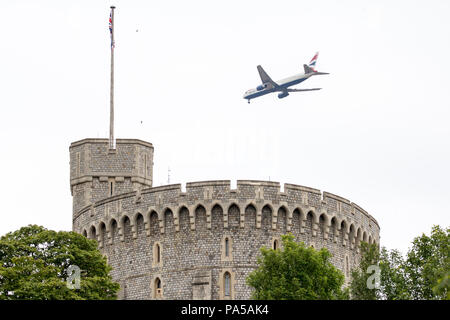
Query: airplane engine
pixel 261 87
pixel 283 95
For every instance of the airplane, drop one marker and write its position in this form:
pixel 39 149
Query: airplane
pixel 268 85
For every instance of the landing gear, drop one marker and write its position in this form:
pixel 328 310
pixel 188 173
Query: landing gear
pixel 248 100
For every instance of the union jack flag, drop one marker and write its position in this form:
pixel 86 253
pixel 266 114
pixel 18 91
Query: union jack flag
pixel 111 30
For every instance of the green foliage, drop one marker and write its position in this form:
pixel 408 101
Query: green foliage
pixel 296 272
pixel 428 264
pixel 393 276
pixel 423 275
pixel 442 287
pixel 34 263
pixel 359 276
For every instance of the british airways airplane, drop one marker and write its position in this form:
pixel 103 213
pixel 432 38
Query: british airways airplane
pixel 282 86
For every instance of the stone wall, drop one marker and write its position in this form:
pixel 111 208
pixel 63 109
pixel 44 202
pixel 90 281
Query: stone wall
pixel 190 229
pixel 96 172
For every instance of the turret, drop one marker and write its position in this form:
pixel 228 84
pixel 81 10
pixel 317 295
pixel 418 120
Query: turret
pixel 98 172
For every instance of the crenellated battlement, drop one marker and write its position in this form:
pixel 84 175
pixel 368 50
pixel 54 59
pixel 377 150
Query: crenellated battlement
pixel 246 191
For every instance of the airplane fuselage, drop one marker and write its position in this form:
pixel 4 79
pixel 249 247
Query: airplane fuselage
pixel 283 84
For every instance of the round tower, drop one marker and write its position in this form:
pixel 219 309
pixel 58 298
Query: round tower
pixel 98 172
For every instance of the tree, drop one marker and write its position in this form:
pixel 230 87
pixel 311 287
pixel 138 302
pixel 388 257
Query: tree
pixel 428 264
pixel 34 264
pixel 296 272
pixel 359 276
pixel 442 286
pixel 394 285
pixel 392 277
pixel 423 274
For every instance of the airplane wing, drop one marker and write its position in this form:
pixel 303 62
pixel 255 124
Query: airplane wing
pixel 265 77
pixel 298 90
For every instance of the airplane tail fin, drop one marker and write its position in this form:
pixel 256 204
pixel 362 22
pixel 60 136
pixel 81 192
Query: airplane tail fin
pixel 311 67
pixel 312 63
pixel 308 69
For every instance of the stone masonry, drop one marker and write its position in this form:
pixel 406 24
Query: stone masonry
pixel 164 243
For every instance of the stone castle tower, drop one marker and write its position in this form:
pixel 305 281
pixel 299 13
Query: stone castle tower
pixel 201 243
pixel 98 172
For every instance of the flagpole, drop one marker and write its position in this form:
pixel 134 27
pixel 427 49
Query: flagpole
pixel 111 99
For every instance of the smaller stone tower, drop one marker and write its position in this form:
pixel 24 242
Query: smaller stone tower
pixel 98 172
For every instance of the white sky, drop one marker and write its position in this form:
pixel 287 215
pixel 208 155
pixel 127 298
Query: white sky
pixel 377 134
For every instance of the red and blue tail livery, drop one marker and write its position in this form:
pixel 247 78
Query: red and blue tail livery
pixel 282 86
pixel 312 63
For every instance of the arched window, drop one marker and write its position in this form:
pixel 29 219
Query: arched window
pixel 111 186
pixel 127 233
pixel 266 217
pixel 322 226
pixel 332 229
pixel 158 288
pixel 226 253
pixel 275 244
pixel 102 231
pixel 93 233
pixel 227 247
pixel 296 223
pixel 227 284
pixel 158 283
pixel 114 231
pixel 351 236
pixel 158 254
